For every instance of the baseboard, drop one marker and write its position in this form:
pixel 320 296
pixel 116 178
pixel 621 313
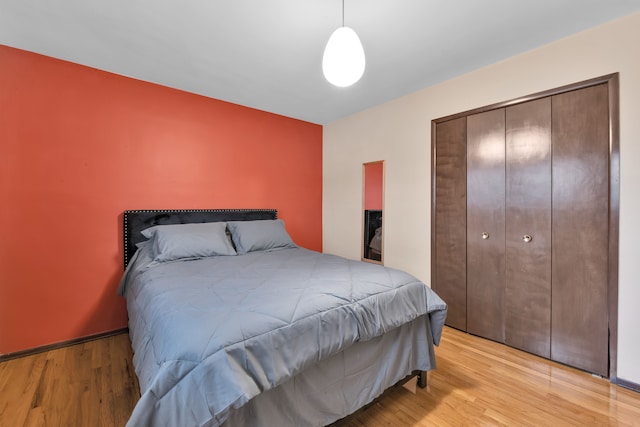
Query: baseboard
pixel 55 346
pixel 627 384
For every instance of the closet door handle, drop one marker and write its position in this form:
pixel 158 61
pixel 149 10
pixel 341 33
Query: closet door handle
pixel 485 235
pixel 527 238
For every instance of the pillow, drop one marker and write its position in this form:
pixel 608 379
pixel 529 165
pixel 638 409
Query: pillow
pixel 261 235
pixel 178 241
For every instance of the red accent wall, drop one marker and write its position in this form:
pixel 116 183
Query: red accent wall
pixel 78 146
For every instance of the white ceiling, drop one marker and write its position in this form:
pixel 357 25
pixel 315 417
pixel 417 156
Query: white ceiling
pixel 267 54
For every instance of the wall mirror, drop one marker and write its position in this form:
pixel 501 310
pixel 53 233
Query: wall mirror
pixel 372 203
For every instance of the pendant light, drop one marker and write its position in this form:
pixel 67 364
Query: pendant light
pixel 343 60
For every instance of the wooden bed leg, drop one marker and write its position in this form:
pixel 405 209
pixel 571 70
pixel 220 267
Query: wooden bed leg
pixel 422 379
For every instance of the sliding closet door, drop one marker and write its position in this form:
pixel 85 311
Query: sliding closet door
pixel 579 326
pixel 485 224
pixel 528 227
pixel 450 261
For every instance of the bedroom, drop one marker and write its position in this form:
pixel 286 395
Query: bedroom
pixel 75 163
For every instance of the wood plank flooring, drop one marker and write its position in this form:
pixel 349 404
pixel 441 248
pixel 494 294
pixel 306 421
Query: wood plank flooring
pixel 483 383
pixel 90 384
pixel 477 383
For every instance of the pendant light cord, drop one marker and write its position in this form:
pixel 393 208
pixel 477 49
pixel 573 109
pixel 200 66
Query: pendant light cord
pixel 343 13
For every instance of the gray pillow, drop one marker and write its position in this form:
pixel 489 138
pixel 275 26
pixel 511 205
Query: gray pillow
pixel 250 236
pixel 178 241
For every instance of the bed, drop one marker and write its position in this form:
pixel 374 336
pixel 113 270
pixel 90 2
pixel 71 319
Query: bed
pixel 233 324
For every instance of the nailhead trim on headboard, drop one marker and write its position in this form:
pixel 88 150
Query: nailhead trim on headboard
pixel 185 216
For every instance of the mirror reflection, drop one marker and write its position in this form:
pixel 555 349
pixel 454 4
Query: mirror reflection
pixel 373 196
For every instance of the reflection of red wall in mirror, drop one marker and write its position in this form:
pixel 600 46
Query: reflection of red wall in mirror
pixel 373 186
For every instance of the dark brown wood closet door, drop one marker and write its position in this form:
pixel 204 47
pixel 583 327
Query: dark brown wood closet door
pixel 450 267
pixel 579 328
pixel 528 227
pixel 485 224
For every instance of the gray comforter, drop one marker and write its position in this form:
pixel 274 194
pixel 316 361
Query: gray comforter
pixel 210 334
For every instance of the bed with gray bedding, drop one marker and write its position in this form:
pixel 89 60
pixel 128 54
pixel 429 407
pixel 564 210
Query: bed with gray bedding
pixel 249 329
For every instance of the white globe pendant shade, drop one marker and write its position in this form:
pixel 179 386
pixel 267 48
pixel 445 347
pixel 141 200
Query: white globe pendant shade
pixel 343 60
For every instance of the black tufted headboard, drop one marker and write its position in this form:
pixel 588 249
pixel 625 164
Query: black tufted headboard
pixel 137 220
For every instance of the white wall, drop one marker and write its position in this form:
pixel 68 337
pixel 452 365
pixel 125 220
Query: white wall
pixel 399 132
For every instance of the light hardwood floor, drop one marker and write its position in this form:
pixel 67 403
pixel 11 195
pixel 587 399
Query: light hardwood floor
pixel 90 384
pixel 478 382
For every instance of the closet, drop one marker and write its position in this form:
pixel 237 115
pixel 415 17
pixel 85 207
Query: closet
pixel 524 223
